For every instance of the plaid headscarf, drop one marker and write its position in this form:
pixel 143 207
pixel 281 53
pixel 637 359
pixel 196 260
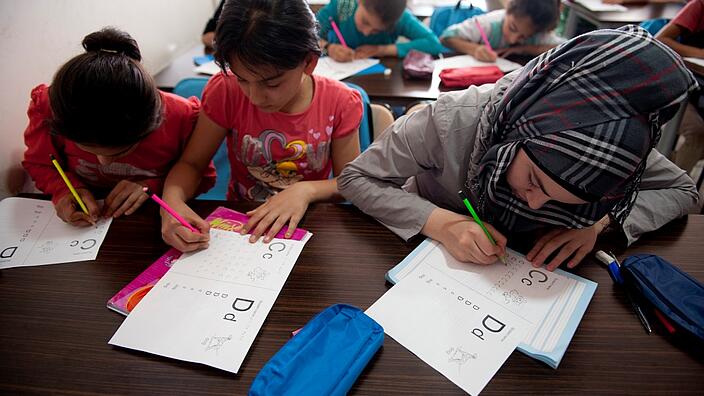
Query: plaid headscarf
pixel 587 113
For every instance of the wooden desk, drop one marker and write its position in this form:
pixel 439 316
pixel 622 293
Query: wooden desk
pixel 696 68
pixel 54 326
pixel 636 14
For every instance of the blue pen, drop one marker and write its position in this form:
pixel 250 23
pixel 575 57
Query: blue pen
pixel 615 272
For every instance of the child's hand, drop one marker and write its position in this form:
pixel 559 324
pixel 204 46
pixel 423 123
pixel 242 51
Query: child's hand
pixel 125 198
pixel 341 53
pixel 180 237
pixel 367 51
pixel 484 54
pixel 288 206
pixel 69 211
pixel 466 241
pixel 570 242
pixel 504 52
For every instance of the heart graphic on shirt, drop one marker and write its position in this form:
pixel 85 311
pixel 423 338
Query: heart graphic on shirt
pixel 310 131
pixel 332 117
pixel 328 130
pixel 303 164
pixel 316 135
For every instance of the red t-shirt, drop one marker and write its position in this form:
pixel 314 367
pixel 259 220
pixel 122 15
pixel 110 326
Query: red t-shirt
pixel 691 17
pixel 270 151
pixel 149 162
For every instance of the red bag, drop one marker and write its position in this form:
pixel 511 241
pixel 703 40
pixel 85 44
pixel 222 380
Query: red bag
pixel 463 77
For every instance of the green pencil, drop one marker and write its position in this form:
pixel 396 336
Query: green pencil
pixel 479 221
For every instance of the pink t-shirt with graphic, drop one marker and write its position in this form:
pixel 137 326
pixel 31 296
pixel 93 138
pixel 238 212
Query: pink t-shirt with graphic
pixel 270 151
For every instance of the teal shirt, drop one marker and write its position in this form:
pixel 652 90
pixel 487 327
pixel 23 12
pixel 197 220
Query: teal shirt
pixel 342 12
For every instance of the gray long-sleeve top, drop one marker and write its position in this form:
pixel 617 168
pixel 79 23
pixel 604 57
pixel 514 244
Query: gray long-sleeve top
pixel 430 147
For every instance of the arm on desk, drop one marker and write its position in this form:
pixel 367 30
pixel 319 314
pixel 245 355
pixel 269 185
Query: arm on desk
pixel 669 34
pixel 666 193
pixel 420 37
pixel 373 182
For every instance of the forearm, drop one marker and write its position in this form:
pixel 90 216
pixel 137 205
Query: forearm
pixel 321 190
pixel 430 46
pixel 439 221
pixel 682 49
pixel 460 45
pixel 182 182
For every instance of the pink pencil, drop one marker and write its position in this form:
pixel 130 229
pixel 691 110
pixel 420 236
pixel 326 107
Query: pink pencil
pixel 481 31
pixel 171 211
pixel 337 32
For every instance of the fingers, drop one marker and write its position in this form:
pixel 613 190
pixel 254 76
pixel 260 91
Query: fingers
pixel 541 243
pixel 578 256
pixel 180 237
pixel 501 240
pixel 548 248
pixel 91 204
pixel 115 199
pixel 80 219
pixel 131 203
pixel 292 225
pixel 275 228
pixel 262 226
pixel 565 252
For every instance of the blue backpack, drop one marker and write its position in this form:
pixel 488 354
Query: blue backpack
pixel 444 17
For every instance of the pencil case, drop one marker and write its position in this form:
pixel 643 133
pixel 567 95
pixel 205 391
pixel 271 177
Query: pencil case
pixel 674 293
pixel 463 77
pixel 324 358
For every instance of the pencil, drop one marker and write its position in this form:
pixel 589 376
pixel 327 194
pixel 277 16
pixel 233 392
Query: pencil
pixel 478 221
pixel 337 32
pixel 169 210
pixel 484 38
pixel 69 185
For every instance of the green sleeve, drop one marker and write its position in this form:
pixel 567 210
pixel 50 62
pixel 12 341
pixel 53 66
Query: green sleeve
pixel 323 17
pixel 420 37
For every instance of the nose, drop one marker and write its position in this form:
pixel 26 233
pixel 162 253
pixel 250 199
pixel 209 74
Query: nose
pixel 257 97
pixel 105 160
pixel 535 199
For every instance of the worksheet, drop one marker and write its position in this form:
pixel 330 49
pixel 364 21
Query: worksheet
pixel 450 326
pixel 600 6
pixel 210 305
pixel 452 62
pixel 328 67
pixel 553 303
pixel 32 234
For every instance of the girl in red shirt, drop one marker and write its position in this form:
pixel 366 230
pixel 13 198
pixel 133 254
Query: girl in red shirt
pixel 110 128
pixel 287 130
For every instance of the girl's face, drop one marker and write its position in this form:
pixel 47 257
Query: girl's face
pixel 533 186
pixel 368 23
pixel 517 29
pixel 108 155
pixel 270 89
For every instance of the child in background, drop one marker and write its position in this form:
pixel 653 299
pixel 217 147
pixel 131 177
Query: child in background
pixel 287 130
pixel 371 28
pixel 685 35
pixel 524 27
pixel 112 130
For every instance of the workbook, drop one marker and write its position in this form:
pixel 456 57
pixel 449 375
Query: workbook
pixel 32 234
pixel 553 303
pixel 210 305
pixel 221 219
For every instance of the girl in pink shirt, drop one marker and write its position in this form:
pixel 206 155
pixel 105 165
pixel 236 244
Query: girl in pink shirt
pixel 287 131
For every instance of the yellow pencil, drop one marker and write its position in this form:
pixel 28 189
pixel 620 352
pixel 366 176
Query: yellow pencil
pixel 68 183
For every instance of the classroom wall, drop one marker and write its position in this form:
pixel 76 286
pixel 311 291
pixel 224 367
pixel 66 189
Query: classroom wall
pixel 37 36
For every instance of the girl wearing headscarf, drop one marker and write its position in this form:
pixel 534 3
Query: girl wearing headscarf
pixel 564 144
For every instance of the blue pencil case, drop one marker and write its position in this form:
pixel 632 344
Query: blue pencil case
pixel 324 358
pixel 672 291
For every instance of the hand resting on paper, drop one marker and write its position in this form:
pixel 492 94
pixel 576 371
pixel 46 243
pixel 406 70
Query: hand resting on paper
pixel 69 211
pixel 566 243
pixel 285 208
pixel 463 238
pixel 125 198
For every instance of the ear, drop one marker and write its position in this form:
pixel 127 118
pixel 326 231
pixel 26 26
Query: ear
pixel 311 62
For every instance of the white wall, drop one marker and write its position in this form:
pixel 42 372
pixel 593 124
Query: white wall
pixel 37 36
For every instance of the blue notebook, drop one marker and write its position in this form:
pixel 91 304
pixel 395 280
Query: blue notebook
pixel 555 302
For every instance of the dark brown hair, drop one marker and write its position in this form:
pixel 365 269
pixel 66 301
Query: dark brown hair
pixel 543 13
pixel 278 33
pixel 104 97
pixel 389 11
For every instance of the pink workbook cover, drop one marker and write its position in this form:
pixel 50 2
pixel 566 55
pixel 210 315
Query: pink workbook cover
pixel 222 218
